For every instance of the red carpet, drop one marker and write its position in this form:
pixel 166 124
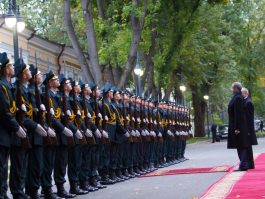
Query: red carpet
pixel 252 184
pixel 224 168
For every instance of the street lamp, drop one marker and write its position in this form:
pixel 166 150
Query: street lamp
pixel 182 88
pixel 14 20
pixel 138 72
pixel 206 98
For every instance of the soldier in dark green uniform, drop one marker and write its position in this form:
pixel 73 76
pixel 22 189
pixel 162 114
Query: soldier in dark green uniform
pixel 34 170
pixel 89 168
pixel 19 150
pixel 65 136
pixel 53 115
pixel 8 123
pixel 122 134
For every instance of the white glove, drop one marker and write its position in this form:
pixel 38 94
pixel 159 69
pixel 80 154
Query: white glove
pixel 169 132
pixel 40 130
pixel 99 115
pixel 138 120
pixel 133 133
pixel 52 111
pixel 78 112
pixel 89 133
pixel 127 118
pixel 21 133
pixel 106 118
pixel 160 134
pixel 155 122
pixel 153 133
pixel 147 133
pixel 127 134
pixel 79 135
pixel 42 107
pixel 68 112
pixel 144 120
pixel 51 132
pixel 105 134
pixel 89 115
pixel 133 119
pixel 67 132
pixel 98 134
pixel 143 133
pixel 138 133
pixel 23 107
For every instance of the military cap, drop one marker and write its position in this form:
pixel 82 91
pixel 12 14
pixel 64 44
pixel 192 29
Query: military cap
pixel 34 70
pixel 106 88
pixel 48 76
pixel 4 61
pixel 63 79
pixel 20 67
pixel 92 86
pixel 115 90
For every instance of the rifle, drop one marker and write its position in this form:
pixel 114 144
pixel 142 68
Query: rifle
pixel 48 114
pixel 83 140
pixel 20 114
pixel 91 140
pixel 124 116
pixel 70 140
pixel 105 140
pixel 40 113
pixel 98 124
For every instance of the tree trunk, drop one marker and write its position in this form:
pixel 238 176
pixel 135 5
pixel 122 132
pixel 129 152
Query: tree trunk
pixel 199 106
pixel 100 9
pixel 91 40
pixel 72 37
pixel 137 26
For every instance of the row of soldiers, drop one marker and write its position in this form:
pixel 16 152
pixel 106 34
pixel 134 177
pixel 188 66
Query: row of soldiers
pixel 58 127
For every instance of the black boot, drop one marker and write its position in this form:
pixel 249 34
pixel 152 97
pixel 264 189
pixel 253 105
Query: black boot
pixel 48 194
pixel 85 186
pixel 33 194
pixel 75 189
pixel 120 175
pixel 61 192
pixel 96 183
pixel 105 180
pixel 132 173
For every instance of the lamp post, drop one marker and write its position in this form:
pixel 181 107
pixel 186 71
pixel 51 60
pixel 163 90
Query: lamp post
pixel 138 72
pixel 206 98
pixel 14 20
pixel 182 88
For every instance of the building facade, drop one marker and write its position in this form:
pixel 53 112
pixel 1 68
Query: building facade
pixel 48 55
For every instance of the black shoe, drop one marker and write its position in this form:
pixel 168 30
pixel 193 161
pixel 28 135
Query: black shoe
pixel 107 181
pixel 121 176
pixel 61 192
pixel 48 194
pixel 96 184
pixel 75 189
pixel 34 194
pixel 238 170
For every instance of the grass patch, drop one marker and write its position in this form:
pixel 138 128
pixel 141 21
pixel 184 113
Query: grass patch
pixel 197 139
pixel 260 134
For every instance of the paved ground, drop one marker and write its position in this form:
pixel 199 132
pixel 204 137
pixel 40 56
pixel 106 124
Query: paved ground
pixel 185 186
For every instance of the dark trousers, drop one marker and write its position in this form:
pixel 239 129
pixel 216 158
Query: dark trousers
pixel 243 157
pixel 4 154
pixel 34 170
pixel 61 160
pixel 48 165
pixel 250 158
pixel 86 166
pixel 19 161
pixel 74 162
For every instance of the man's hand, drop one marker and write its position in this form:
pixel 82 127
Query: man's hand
pixel 237 132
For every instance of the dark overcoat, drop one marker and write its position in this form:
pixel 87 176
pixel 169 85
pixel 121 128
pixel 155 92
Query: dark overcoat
pixel 237 121
pixel 249 111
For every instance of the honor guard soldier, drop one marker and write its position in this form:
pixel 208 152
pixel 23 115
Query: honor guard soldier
pixel 53 121
pixel 21 142
pixel 35 159
pixel 8 123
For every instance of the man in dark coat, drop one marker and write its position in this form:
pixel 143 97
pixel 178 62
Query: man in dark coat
pixel 237 129
pixel 214 131
pixel 249 112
